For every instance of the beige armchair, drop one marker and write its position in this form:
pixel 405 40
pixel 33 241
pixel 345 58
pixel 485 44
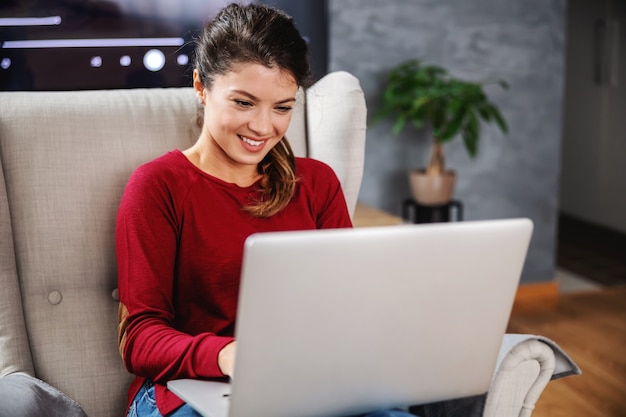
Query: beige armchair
pixel 65 158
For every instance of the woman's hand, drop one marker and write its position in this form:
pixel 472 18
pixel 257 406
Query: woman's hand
pixel 226 359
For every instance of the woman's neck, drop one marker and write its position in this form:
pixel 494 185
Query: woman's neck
pixel 206 160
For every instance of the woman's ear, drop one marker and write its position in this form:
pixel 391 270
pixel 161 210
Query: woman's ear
pixel 198 86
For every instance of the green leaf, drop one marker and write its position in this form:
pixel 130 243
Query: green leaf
pixel 471 144
pixel 470 134
pixel 398 126
pixel 452 128
pixel 484 112
pixel 499 119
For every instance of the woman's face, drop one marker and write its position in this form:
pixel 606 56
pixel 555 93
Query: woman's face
pixel 247 112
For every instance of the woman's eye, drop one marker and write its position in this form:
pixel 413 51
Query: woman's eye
pixel 243 103
pixel 284 109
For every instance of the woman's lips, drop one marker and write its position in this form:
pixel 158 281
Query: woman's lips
pixel 251 142
pixel 253 145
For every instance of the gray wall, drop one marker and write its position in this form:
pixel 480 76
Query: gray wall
pixel 520 41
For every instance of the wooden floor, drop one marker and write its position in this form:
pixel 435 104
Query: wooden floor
pixel 591 328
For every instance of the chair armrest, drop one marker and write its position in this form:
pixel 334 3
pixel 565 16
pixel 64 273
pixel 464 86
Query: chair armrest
pixel 24 395
pixel 525 366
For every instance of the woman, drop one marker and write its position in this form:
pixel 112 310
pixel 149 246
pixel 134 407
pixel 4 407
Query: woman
pixel 184 216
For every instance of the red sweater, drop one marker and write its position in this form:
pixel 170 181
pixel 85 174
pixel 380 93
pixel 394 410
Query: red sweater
pixel 179 240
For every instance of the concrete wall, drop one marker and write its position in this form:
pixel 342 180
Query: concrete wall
pixel 520 41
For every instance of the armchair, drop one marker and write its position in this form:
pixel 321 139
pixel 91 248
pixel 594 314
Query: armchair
pixel 65 158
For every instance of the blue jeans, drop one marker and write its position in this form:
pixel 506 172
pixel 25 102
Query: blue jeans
pixel 144 405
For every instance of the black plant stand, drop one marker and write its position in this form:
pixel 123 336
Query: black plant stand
pixel 419 213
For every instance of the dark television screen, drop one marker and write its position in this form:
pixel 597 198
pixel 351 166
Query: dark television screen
pixel 89 44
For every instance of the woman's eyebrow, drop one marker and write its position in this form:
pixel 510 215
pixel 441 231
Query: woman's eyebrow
pixel 254 98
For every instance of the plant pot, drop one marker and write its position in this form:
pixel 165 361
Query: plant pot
pixel 432 190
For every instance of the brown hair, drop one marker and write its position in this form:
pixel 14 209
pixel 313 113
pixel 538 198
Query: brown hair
pixel 257 33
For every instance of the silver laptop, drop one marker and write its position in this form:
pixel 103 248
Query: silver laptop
pixel 341 322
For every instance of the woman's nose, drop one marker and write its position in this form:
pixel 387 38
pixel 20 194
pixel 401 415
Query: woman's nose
pixel 261 124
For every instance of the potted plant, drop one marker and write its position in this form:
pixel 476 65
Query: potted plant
pixel 426 95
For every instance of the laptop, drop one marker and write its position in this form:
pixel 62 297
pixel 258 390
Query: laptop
pixel 346 321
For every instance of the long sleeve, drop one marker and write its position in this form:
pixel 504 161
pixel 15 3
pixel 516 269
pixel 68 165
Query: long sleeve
pixel 148 231
pixel 179 238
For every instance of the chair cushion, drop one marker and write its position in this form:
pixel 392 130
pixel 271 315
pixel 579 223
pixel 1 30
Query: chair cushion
pixel 26 396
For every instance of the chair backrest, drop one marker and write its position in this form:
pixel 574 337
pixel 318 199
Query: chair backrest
pixel 65 158
pixel 333 130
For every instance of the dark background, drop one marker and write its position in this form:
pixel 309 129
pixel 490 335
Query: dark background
pixel 72 68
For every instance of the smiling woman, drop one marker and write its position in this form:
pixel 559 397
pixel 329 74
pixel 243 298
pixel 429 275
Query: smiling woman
pixel 184 216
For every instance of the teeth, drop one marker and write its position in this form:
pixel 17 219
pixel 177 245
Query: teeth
pixel 250 141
